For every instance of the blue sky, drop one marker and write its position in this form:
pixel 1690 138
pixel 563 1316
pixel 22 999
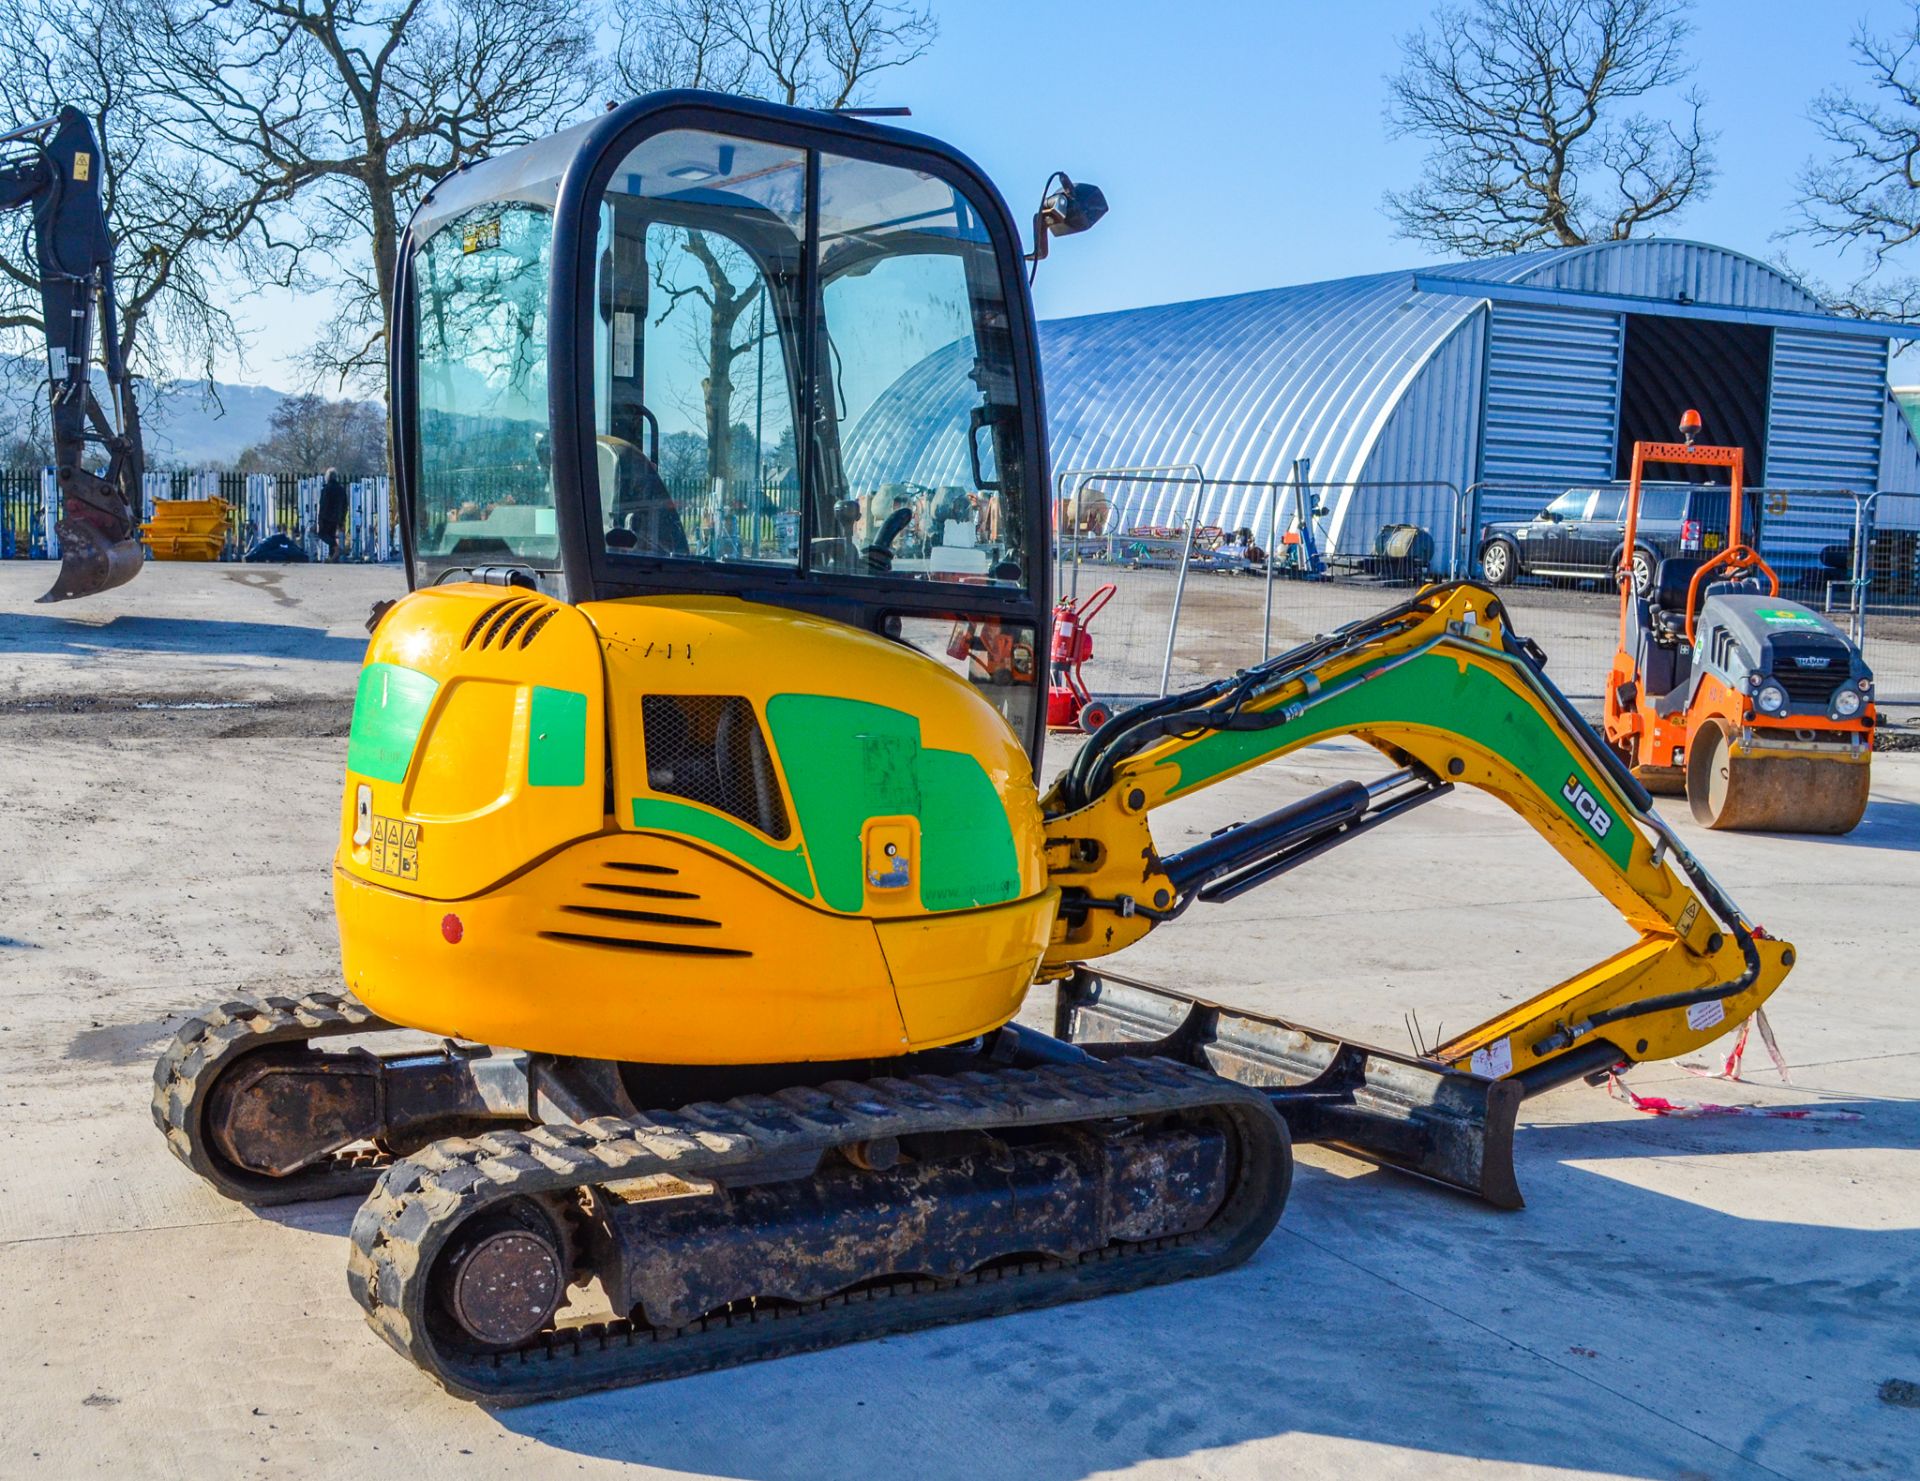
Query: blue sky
pixel 1242 145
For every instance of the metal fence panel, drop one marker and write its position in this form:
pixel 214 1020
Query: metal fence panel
pixel 258 505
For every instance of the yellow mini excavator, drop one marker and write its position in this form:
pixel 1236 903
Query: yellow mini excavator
pixel 677 810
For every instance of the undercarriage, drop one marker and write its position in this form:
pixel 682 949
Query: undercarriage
pixel 536 1226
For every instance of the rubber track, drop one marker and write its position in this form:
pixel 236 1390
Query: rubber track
pixel 205 1047
pixel 421 1200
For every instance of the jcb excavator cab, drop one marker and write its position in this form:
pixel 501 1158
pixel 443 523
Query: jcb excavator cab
pixel 694 347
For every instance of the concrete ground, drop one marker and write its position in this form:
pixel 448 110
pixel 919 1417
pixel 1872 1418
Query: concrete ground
pixel 1698 1298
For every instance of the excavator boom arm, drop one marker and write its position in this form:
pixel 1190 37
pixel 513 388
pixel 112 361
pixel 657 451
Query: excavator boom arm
pixel 59 175
pixel 1445 690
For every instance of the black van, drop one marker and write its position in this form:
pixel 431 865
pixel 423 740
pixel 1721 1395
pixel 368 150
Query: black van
pixel 1579 534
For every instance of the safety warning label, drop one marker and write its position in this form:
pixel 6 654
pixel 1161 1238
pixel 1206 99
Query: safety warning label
pixel 396 847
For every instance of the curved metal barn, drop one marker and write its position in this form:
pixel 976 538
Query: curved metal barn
pixel 1511 377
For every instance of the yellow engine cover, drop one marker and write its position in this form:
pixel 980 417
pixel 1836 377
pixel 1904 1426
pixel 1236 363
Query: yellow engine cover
pixel 681 831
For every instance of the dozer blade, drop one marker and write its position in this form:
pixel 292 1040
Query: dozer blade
pixel 1390 1109
pixel 91 562
pixel 1776 791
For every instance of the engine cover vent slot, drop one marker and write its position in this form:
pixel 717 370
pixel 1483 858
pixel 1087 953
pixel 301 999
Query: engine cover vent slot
pixel 709 748
pixel 627 943
pixel 509 619
pixel 642 891
pixel 648 917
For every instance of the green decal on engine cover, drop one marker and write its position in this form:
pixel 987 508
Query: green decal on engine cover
pixel 389 710
pixel 786 865
pixel 847 761
pixel 556 738
pixel 1438 692
pixel 1785 617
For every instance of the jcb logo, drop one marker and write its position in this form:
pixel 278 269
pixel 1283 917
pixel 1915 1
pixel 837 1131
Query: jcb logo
pixel 1588 806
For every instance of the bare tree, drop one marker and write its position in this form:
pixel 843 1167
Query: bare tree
pixel 813 53
pixel 1866 194
pixel 809 53
pixel 1521 103
pixel 169 250
pixel 308 433
pixel 328 119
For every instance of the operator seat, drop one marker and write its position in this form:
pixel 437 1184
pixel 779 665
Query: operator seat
pixel 643 517
pixel 1662 656
pixel 1667 601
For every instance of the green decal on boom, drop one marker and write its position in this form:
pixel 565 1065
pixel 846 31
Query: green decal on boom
pixel 389 710
pixel 1436 692
pixel 847 761
pixel 556 738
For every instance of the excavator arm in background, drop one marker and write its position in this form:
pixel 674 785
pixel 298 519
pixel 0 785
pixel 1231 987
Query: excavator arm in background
pixel 57 170
pixel 1444 689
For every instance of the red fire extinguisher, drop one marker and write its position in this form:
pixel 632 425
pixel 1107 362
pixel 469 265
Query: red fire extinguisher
pixel 1069 705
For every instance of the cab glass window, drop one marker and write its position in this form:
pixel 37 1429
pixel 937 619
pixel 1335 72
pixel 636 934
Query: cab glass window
pixel 485 465
pixel 709 316
pixel 919 468
pixel 996 656
pixel 695 376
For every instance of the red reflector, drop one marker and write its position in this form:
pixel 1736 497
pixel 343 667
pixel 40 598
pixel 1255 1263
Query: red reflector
pixel 451 928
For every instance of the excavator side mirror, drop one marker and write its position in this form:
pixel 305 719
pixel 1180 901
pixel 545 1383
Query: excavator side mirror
pixel 1071 209
pixel 1066 209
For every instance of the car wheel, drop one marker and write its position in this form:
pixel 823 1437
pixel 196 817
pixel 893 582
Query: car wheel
pixel 1497 563
pixel 1643 569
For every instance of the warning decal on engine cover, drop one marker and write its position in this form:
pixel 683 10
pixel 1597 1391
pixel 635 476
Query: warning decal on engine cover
pixel 396 847
pixel 1705 1015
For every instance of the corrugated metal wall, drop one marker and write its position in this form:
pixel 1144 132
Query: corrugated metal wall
pixel 1899 455
pixel 1552 404
pixel 1827 416
pixel 1371 379
pixel 1430 439
pixel 1664 269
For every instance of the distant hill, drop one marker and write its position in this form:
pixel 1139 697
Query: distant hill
pixel 186 425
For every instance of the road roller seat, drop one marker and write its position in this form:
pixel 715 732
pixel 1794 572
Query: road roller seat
pixel 1667 600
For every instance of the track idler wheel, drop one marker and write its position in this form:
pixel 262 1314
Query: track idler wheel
pixel 1772 794
pixel 501 1279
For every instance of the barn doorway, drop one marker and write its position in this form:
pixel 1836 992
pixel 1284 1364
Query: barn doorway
pixel 1719 369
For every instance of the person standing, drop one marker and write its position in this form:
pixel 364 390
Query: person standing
pixel 333 512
